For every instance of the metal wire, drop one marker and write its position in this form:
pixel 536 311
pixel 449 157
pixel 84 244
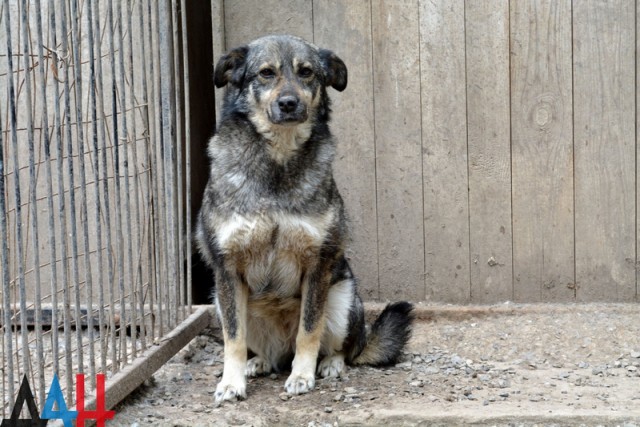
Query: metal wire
pixel 69 286
pixel 7 345
pixel 94 187
pixel 49 187
pixel 19 238
pixel 187 140
pixel 26 55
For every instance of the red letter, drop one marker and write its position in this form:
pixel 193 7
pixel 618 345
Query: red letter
pixel 100 414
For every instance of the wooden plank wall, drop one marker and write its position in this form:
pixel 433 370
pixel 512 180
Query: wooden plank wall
pixel 487 148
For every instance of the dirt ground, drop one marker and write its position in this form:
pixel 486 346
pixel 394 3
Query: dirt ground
pixel 507 365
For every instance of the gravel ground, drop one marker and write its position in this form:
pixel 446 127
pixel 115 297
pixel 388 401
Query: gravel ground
pixel 507 365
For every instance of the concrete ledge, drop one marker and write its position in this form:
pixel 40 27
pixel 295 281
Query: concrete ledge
pixel 132 376
pixel 427 417
pixel 426 312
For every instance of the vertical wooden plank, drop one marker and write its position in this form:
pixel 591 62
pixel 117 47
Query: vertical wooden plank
pixel 345 28
pixel 604 123
pixel 396 65
pixel 542 151
pixel 248 20
pixel 217 46
pixel 637 154
pixel 488 123
pixel 444 145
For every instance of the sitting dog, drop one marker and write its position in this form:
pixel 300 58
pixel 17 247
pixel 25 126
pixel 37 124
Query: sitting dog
pixel 272 225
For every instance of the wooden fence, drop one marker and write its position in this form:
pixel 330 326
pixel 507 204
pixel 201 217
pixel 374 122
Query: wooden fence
pixel 487 147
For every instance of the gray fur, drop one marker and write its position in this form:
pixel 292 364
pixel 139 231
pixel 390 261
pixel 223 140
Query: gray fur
pixel 271 173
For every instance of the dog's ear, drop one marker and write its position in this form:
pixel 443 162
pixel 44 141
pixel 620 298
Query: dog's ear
pixel 335 70
pixel 231 67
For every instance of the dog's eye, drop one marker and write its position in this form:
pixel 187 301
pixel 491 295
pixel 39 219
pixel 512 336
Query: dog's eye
pixel 305 72
pixel 267 73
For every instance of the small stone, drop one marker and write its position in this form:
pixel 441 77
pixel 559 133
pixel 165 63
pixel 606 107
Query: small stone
pixel 457 360
pixel 635 354
pixel 284 396
pixel 431 370
pixel 404 365
pixel 338 397
pixel 328 409
pixel 416 383
pixel 217 373
pixel 583 365
pixel 631 368
pixel 350 390
pixel 273 376
pixel 484 377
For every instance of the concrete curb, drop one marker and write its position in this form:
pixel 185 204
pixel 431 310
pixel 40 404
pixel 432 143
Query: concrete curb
pixel 429 313
pixel 423 417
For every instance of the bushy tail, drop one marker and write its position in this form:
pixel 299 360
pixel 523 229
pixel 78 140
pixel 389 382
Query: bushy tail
pixel 388 336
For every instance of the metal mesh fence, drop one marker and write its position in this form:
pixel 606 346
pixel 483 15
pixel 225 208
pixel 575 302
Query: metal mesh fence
pixel 94 195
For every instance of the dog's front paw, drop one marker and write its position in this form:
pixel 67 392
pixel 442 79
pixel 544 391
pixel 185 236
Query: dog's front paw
pixel 227 390
pixel 299 383
pixel 331 366
pixel 257 366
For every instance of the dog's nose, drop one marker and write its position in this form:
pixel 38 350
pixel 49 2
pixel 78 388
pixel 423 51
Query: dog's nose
pixel 288 103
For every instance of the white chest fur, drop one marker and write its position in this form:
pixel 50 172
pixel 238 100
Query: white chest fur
pixel 272 251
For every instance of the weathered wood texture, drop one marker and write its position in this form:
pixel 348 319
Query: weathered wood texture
pixel 542 151
pixel 605 149
pixel 488 119
pixel 334 21
pixel 444 147
pixel 396 76
pixel 487 148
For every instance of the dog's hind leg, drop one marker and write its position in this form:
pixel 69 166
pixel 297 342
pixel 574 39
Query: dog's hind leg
pixel 313 319
pixel 231 302
pixel 257 366
pixel 332 366
pixel 339 302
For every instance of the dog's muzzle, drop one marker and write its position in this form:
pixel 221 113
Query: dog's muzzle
pixel 288 109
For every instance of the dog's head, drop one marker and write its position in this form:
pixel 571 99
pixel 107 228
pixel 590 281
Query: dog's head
pixel 280 80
